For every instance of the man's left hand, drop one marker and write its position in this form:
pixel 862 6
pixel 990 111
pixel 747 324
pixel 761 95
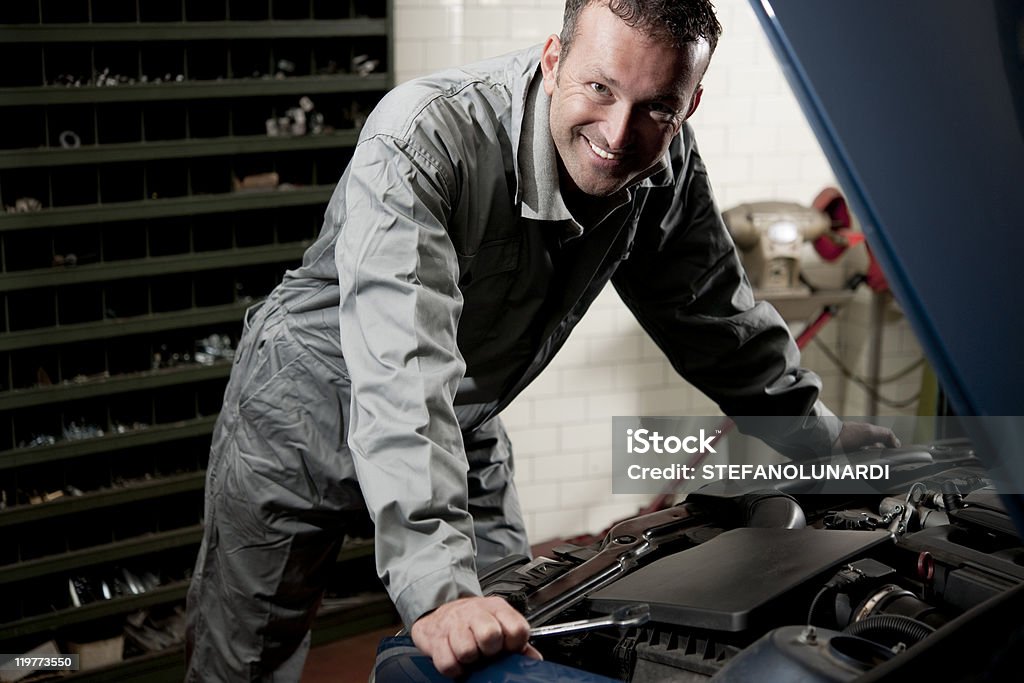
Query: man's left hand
pixel 857 435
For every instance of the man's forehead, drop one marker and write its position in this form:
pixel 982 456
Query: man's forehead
pixel 675 76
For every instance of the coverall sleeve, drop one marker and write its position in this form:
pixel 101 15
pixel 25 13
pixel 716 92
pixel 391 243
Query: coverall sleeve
pixel 399 311
pixel 686 286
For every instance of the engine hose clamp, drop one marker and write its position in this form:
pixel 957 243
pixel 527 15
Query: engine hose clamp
pixel 884 594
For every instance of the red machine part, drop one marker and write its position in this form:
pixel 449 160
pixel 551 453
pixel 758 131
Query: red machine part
pixel 831 246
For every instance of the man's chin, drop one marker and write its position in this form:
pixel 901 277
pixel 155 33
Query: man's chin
pixel 600 187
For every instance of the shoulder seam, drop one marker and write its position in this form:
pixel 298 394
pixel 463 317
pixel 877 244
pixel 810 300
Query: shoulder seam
pixel 417 151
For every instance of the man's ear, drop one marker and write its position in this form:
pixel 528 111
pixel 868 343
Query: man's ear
pixel 549 62
pixel 695 101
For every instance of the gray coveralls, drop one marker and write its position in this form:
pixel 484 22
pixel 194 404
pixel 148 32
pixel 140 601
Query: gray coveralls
pixel 447 275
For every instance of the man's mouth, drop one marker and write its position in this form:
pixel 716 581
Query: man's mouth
pixel 603 153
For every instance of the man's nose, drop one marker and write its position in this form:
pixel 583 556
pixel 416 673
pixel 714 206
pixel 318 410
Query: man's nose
pixel 618 126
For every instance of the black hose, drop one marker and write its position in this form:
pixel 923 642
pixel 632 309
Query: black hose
pixel 827 590
pixel 897 625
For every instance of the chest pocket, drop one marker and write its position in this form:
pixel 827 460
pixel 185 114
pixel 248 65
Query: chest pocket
pixel 485 280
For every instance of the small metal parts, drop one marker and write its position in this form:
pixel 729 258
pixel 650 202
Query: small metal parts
pixel 24 205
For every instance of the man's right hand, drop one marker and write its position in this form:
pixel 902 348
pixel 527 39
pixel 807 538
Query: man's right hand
pixel 468 629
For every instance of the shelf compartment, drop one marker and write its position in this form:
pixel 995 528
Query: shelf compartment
pixel 66 450
pixel 64 11
pixel 191 90
pixel 21 65
pixel 165 486
pixel 108 552
pixel 20 12
pixel 114 10
pixel 136 381
pixel 161 208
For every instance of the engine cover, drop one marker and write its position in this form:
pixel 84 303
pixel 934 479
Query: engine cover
pixel 732 581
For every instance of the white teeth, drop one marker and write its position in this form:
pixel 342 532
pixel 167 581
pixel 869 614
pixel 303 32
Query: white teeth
pixel 602 153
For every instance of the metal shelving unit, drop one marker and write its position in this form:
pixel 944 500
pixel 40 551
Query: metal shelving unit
pixel 126 242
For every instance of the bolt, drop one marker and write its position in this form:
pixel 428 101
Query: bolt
pixel 809 636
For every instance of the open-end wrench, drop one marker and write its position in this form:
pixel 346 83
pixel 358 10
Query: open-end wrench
pixel 630 615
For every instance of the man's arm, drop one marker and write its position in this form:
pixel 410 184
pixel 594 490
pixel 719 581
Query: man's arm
pixel 400 307
pixel 685 284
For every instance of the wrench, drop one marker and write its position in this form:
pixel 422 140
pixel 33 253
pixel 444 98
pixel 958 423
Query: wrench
pixel 630 615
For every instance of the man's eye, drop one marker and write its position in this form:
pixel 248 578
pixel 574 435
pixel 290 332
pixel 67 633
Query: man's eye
pixel 662 112
pixel 599 88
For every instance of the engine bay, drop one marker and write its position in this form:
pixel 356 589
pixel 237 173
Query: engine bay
pixel 780 584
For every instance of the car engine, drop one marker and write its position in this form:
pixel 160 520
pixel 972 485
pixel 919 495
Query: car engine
pixel 785 584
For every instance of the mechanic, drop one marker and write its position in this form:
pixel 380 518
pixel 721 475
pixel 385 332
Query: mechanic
pixel 482 212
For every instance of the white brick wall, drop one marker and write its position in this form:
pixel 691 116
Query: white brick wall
pixel 757 146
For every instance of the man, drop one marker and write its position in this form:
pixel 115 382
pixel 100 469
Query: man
pixel 483 211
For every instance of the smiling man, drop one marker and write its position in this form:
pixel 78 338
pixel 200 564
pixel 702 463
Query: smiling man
pixel 622 98
pixel 483 211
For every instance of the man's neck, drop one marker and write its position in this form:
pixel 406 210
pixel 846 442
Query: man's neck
pixel 588 210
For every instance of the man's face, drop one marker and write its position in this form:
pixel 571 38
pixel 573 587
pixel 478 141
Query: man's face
pixel 617 100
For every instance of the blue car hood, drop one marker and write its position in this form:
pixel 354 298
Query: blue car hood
pixel 919 106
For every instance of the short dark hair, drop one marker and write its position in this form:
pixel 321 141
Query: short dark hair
pixel 681 21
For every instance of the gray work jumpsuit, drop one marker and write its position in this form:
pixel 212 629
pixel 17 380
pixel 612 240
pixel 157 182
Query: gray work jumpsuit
pixel 447 275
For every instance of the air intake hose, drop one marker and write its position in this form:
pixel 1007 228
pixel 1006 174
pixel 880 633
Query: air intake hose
pixel 895 626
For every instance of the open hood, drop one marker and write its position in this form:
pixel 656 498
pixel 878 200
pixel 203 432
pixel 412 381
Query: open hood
pixel 919 107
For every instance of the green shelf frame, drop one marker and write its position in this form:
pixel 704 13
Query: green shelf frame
pixel 115 384
pixel 193 30
pixel 95 610
pixel 195 90
pixel 164 486
pixel 50 157
pixel 157 265
pixel 164 208
pixel 67 450
pixel 120 327
pixel 108 552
